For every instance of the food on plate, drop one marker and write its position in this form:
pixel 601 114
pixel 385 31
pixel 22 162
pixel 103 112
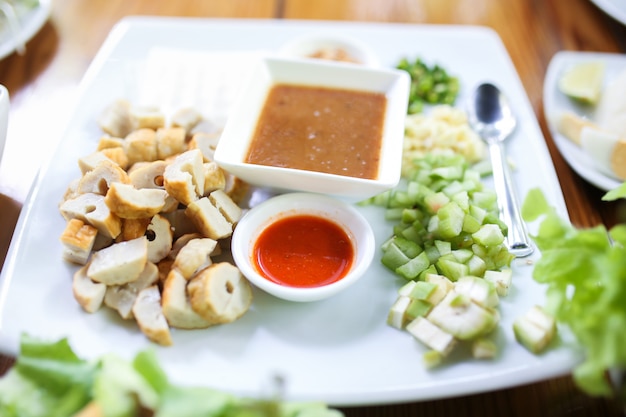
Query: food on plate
pixel 183 178
pixel 611 109
pixel 444 129
pixel 603 137
pixel 119 263
pixel 607 149
pixel 49 379
pixel 91 209
pixel 303 251
pixel 583 81
pixel 194 256
pixel 78 239
pixel 13 19
pixel 177 305
pixel 88 293
pixel 116 119
pixel 429 84
pixel 148 313
pixel 583 270
pixel 144 224
pixel 98 178
pixel 448 243
pixel 160 239
pixel 334 54
pixel 128 202
pixel 571 125
pixel 209 219
pixel 327 130
pixel 122 297
pixel 220 293
pixel 535 329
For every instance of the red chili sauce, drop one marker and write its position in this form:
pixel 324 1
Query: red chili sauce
pixel 303 251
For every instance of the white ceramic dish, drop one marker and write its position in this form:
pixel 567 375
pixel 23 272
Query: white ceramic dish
pixel 234 143
pixel 292 204
pixel 333 45
pixel 30 23
pixel 4 117
pixel 555 102
pixel 614 8
pixel 339 350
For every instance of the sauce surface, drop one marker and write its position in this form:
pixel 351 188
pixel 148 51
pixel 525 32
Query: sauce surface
pixel 320 129
pixel 303 251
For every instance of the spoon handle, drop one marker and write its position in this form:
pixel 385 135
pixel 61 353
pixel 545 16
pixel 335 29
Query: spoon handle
pixel 517 238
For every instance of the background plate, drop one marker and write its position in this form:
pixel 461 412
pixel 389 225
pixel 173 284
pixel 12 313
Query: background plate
pixel 614 8
pixel 30 23
pixel 340 350
pixel 555 102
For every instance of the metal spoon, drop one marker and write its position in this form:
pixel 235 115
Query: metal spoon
pixel 491 117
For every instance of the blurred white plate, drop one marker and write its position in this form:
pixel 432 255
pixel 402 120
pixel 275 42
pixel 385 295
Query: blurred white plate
pixel 30 23
pixel 555 102
pixel 339 350
pixel 614 8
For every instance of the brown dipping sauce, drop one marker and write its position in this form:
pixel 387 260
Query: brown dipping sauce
pixel 320 129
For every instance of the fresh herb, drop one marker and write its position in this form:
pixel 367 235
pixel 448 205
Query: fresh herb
pixel 49 380
pixel 585 274
pixel 429 84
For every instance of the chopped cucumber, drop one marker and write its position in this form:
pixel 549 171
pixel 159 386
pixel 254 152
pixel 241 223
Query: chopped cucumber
pixel 431 335
pixel 448 241
pixel 500 279
pixel 414 267
pixel 432 359
pixel 452 269
pixel 458 315
pixel 418 308
pixel 396 316
pixel 478 290
pixel 489 235
pixel 483 348
pixel 444 209
pixel 535 329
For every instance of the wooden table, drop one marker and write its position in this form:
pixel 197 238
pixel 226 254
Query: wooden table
pixel 532 31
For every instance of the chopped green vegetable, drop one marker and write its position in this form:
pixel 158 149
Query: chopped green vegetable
pixel 446 240
pixel 483 348
pixel 429 84
pixel 535 329
pixel 616 194
pixel 432 335
pixel 463 318
pixel 585 276
pixel 448 221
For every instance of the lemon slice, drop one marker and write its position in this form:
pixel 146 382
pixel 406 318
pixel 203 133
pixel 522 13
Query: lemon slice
pixel 583 81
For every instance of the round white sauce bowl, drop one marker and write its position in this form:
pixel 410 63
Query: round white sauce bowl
pixel 255 221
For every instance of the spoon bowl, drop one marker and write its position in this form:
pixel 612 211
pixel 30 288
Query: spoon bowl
pixel 490 115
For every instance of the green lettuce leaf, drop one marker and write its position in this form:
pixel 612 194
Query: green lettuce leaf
pixel 616 193
pixel 585 274
pixel 48 379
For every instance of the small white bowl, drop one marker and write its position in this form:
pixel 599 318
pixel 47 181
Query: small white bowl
pixel 307 45
pixel 235 140
pixel 343 214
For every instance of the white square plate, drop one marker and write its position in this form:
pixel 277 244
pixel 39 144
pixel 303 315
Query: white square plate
pixel 339 350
